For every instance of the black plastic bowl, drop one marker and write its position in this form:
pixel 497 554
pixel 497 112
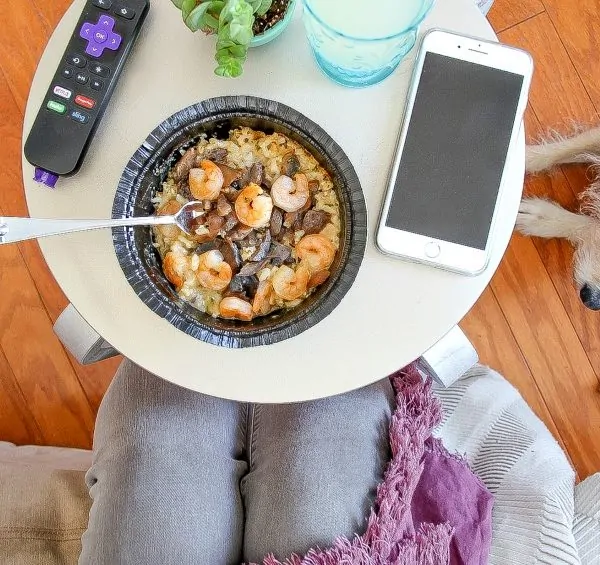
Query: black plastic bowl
pixel 148 168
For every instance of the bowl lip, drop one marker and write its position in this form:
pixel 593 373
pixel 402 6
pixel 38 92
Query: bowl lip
pixel 144 160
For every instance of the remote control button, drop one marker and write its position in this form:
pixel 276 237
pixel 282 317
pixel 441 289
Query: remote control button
pixel 62 92
pixel 106 23
pixel 104 4
pixel 100 36
pixel 80 117
pixel 96 84
pixel 94 50
pixel 100 70
pixel 67 72
pixel 87 31
pixel 114 41
pixel 81 78
pixel 84 101
pixel 124 12
pixel 77 60
pixel 56 107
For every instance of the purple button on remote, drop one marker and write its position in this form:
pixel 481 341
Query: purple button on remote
pixel 100 36
pixel 106 23
pixel 87 31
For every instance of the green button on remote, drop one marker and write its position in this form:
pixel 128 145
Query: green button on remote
pixel 56 107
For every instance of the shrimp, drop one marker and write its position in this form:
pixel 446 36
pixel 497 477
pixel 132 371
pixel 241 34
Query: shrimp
pixel 234 307
pixel 206 183
pixel 213 271
pixel 252 207
pixel 169 209
pixel 176 267
pixel 289 284
pixel 316 251
pixel 262 299
pixel 290 195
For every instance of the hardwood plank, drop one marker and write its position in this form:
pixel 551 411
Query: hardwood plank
pixel 488 330
pixel 557 94
pixel 95 378
pixel 577 25
pixel 507 13
pixel 43 371
pixel 51 11
pixel 24 37
pixel 552 351
pixel 16 421
pixel 549 101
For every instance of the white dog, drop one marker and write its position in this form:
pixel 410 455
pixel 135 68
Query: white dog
pixel 545 218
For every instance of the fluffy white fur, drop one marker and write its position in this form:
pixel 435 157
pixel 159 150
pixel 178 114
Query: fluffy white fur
pixel 545 218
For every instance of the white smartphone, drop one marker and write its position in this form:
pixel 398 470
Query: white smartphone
pixel 462 117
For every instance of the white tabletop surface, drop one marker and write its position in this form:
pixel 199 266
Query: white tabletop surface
pixel 395 310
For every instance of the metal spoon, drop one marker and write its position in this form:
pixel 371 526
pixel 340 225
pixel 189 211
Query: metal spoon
pixel 19 229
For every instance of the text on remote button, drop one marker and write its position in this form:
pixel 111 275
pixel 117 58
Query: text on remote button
pixel 80 117
pixel 84 101
pixel 62 92
pixel 56 107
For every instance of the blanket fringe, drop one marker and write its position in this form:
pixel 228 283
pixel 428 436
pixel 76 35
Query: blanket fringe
pixel 385 541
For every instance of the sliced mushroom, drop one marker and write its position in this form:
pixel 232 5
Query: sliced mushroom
pixel 229 174
pixel 244 284
pixel 206 246
pixel 279 253
pixel 216 154
pixel 290 164
pixel 263 249
pixel 252 240
pixel 230 222
pixel 250 269
pixel 214 223
pixel 241 232
pixel 313 186
pixel 184 165
pixel 276 221
pixel 223 206
pixel 231 254
pixel 314 221
pixel 257 173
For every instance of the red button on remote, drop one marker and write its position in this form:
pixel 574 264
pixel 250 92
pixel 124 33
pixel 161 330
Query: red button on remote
pixel 85 102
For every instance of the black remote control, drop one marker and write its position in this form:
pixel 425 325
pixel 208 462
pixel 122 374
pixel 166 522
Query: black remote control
pixel 82 86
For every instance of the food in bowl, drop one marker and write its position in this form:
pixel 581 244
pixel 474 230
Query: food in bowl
pixel 269 232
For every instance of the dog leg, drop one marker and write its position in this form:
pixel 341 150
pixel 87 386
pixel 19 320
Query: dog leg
pixel 544 218
pixel 580 148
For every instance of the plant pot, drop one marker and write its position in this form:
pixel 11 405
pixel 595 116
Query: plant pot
pixel 275 31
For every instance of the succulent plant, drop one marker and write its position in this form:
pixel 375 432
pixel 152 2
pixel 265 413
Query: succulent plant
pixel 231 21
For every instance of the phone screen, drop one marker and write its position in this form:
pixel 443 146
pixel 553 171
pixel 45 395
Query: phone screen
pixel 455 150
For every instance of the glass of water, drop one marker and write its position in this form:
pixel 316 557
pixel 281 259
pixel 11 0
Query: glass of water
pixel 360 42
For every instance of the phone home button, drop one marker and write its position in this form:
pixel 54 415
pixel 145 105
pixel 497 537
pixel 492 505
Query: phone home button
pixel 432 250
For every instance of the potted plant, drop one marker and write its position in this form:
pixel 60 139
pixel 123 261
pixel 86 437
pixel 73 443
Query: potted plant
pixel 238 25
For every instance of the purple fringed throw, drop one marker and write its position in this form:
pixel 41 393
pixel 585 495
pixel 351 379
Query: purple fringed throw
pixel 430 509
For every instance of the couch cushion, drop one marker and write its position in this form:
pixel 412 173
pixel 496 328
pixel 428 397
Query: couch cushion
pixel 43 505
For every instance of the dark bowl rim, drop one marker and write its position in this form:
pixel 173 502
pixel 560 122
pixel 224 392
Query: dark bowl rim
pixel 214 110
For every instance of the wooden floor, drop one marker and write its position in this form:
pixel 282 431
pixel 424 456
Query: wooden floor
pixel 529 324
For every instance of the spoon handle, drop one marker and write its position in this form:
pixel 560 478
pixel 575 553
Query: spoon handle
pixel 19 229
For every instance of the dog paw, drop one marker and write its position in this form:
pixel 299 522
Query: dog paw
pixel 541 217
